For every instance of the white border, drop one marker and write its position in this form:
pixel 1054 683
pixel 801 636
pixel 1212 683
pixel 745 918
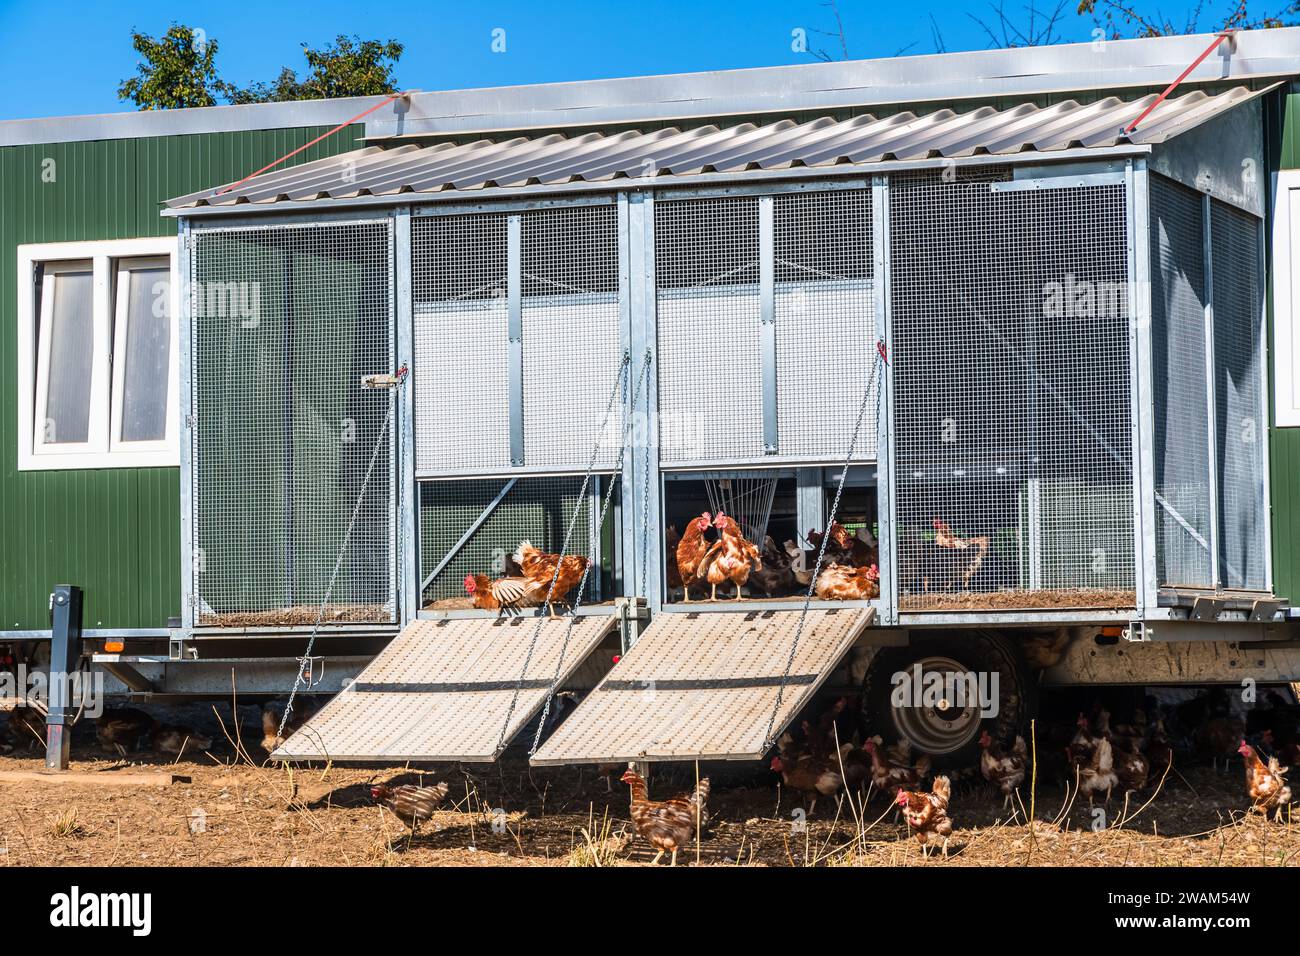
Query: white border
pixel 102 255
pixel 1286 299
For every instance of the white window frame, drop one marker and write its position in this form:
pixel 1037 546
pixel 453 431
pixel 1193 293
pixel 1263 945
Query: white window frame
pixel 107 262
pixel 1286 298
pixel 121 320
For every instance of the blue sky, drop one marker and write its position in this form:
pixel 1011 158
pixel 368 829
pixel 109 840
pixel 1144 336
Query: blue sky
pixel 59 58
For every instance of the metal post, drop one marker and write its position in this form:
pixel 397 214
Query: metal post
pixel 407 498
pixel 886 482
pixel 515 333
pixel 810 504
pixel 767 318
pixel 65 656
pixel 188 426
pixel 1141 398
pixel 1263 432
pixel 1211 403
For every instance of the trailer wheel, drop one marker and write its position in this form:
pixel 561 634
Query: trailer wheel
pixel 949 729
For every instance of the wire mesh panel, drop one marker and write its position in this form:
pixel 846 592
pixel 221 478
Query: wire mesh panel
pixel 707 276
pixel 568 334
pixel 286 321
pixel 1238 393
pixel 571 335
pixel 1010 312
pixel 533 509
pixel 825 323
pixel 1179 385
pixel 458 278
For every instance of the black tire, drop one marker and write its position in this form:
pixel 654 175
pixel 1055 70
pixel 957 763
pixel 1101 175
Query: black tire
pixel 975 651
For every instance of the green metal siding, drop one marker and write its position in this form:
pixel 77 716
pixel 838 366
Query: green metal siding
pixel 114 532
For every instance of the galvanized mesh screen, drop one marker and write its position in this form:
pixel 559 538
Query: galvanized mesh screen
pixel 1238 393
pixel 458 277
pixel 707 275
pixel 569 330
pixel 825 323
pixel 1010 316
pixel 1179 386
pixel 571 335
pixel 709 297
pixel 286 321
pixel 535 509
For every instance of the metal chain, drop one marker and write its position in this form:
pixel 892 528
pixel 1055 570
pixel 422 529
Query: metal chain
pixel 568 630
pixel 826 536
pixel 564 546
pixel 338 561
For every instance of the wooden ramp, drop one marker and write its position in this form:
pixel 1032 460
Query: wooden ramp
pixel 702 686
pixel 442 690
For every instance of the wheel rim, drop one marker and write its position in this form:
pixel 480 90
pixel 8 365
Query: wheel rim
pixel 938 729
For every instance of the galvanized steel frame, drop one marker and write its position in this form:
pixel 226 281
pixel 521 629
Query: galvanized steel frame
pixel 1141 397
pixel 886 504
pixel 638 325
pixel 1211 406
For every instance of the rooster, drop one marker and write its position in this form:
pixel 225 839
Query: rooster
pixel 667 825
pixel 730 559
pixel 1005 771
pixel 944 538
pixel 27 727
pixel 672 538
pixel 412 805
pixel 123 730
pixel 927 813
pixel 503 595
pixel 1093 758
pixel 775 576
pixel 895 772
pixel 798 563
pixel 813 775
pixel 174 739
pixel 1132 768
pixel 1266 783
pixel 691 551
pixel 303 709
pixel 539 569
pixel 838 582
pixel 1215 738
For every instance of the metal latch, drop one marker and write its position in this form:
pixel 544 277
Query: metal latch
pixel 384 379
pixel 311 670
pixel 1135 633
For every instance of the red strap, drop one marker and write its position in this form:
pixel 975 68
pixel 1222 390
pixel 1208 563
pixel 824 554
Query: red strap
pixel 348 122
pixel 1182 76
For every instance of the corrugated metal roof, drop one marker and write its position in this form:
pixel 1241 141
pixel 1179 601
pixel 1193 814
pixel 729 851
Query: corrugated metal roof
pixel 721 152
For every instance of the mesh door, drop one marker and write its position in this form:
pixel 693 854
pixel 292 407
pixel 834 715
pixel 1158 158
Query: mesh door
pixel 536 509
pixel 707 274
pixel 1182 438
pixel 286 322
pixel 1238 393
pixel 709 299
pixel 458 276
pixel 825 324
pixel 1012 416
pixel 571 336
pixel 569 328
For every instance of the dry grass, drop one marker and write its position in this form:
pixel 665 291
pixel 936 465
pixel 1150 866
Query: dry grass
pixel 509 814
pixel 1059 599
pixel 302 614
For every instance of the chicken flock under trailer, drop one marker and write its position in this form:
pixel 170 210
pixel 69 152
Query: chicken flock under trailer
pixel 1015 354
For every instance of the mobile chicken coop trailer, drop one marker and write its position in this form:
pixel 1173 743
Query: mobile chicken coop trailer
pixel 963 304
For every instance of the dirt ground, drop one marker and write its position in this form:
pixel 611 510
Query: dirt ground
pixel 227 811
